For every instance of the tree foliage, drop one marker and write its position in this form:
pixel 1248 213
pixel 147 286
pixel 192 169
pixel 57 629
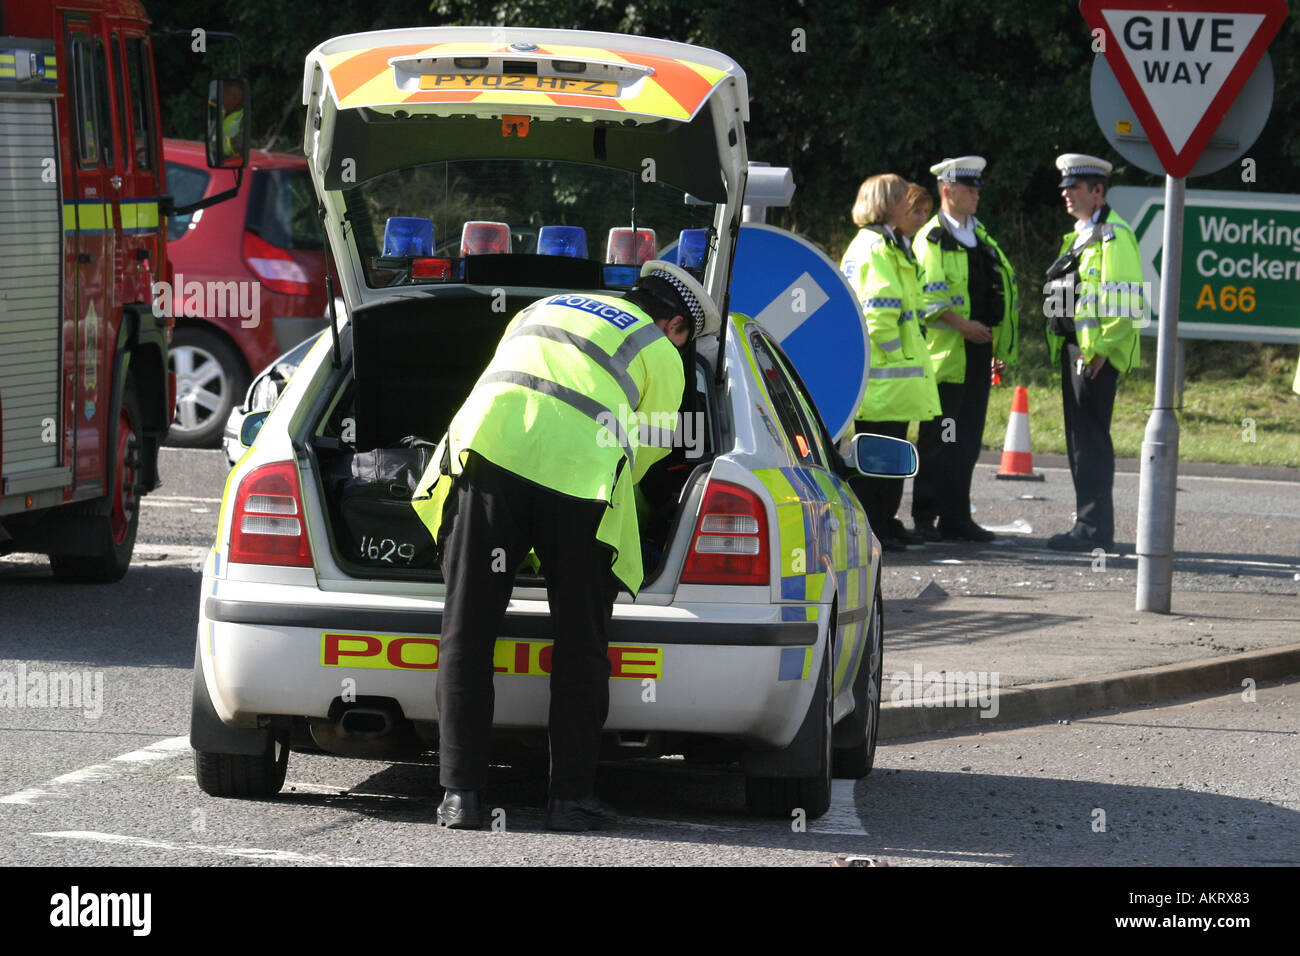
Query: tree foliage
pixel 838 91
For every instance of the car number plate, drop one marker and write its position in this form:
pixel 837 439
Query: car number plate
pixel 519 82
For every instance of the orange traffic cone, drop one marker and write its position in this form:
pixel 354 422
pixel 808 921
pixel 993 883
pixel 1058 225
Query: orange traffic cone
pixel 1017 458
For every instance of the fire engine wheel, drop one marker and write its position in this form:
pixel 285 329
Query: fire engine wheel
pixel 210 380
pixel 782 796
pixel 112 536
pixel 853 762
pixel 240 776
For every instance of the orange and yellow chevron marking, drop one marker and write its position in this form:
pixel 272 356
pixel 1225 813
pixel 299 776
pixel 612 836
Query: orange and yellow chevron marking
pixel 676 89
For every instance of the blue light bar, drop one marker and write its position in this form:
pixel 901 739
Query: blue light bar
pixel 568 241
pixel 408 236
pixel 621 277
pixel 692 248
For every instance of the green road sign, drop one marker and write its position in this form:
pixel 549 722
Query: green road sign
pixel 1241 261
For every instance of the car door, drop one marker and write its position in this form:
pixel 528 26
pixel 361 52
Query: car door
pixel 841 544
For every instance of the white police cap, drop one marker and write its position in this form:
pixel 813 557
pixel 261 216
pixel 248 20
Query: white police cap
pixel 704 313
pixel 963 169
pixel 1074 165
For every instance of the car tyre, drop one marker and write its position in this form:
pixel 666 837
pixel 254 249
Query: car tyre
pixel 782 796
pixel 854 761
pixel 241 776
pixel 211 379
pixel 110 537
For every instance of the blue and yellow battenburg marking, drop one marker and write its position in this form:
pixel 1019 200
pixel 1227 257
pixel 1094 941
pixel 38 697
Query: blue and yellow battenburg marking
pixel 807 501
pixel 96 216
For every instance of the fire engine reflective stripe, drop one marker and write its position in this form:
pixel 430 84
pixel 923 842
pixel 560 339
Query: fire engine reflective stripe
pixel 139 215
pixel 87 216
pixel 910 371
pixel 589 349
pixel 669 88
pixel 892 345
pixel 592 409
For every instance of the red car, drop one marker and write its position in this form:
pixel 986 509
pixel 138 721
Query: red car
pixel 249 280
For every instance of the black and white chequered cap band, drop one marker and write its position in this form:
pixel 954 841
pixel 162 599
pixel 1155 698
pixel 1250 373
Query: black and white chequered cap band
pixel 687 296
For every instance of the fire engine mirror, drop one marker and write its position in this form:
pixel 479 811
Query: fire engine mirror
pixel 879 456
pixel 227 123
pixel 252 425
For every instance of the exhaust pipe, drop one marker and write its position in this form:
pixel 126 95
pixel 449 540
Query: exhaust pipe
pixel 365 722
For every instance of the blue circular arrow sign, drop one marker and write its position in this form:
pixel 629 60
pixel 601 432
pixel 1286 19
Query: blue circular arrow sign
pixel 799 295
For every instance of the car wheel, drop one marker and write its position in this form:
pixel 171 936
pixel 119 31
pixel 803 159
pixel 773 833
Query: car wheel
pixel 211 378
pixel 241 776
pixel 110 538
pixel 782 796
pixel 853 761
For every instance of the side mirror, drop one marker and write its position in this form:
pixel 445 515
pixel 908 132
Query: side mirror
pixel 227 123
pixel 878 456
pixel 252 425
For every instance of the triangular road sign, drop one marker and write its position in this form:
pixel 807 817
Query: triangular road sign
pixel 1181 63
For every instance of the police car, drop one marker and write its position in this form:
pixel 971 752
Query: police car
pixel 757 635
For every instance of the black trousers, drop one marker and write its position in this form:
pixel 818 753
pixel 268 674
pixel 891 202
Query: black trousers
pixel 949 446
pixel 492 520
pixel 1088 406
pixel 880 497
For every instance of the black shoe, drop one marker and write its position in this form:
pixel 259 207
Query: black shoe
pixel 576 816
pixel 965 531
pixel 888 543
pixel 461 810
pixel 926 531
pixel 899 532
pixel 1077 540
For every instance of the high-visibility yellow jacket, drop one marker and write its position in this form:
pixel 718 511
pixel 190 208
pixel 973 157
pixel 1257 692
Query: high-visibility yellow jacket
pixel 901 385
pixel 1109 305
pixel 581 397
pixel 944 264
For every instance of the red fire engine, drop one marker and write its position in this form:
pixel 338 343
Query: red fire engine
pixel 85 394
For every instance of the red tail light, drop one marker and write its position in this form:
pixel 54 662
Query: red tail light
pixel 730 544
pixel 274 267
pixel 268 524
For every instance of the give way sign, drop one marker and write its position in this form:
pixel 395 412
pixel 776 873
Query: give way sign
pixel 1181 63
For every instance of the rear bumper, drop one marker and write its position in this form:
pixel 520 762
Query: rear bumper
pixel 749 677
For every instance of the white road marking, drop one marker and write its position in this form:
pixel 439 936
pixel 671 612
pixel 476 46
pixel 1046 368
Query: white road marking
pixel 243 852
pixel 63 785
pixel 176 501
pixel 842 818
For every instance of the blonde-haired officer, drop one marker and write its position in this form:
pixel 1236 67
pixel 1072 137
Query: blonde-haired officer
pixel 972 322
pixel 1095 293
pixel 900 386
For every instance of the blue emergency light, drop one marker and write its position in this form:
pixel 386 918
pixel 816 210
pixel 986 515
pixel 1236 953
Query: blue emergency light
pixel 692 248
pixel 621 277
pixel 408 236
pixel 568 241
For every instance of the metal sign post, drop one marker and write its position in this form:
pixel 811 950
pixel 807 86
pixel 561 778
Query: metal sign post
pixel 1181 64
pixel 1157 487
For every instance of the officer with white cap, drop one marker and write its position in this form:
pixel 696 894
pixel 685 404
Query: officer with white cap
pixel 972 323
pixel 1094 309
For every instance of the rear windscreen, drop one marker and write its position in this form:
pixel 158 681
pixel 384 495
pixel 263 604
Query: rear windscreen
pixel 282 209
